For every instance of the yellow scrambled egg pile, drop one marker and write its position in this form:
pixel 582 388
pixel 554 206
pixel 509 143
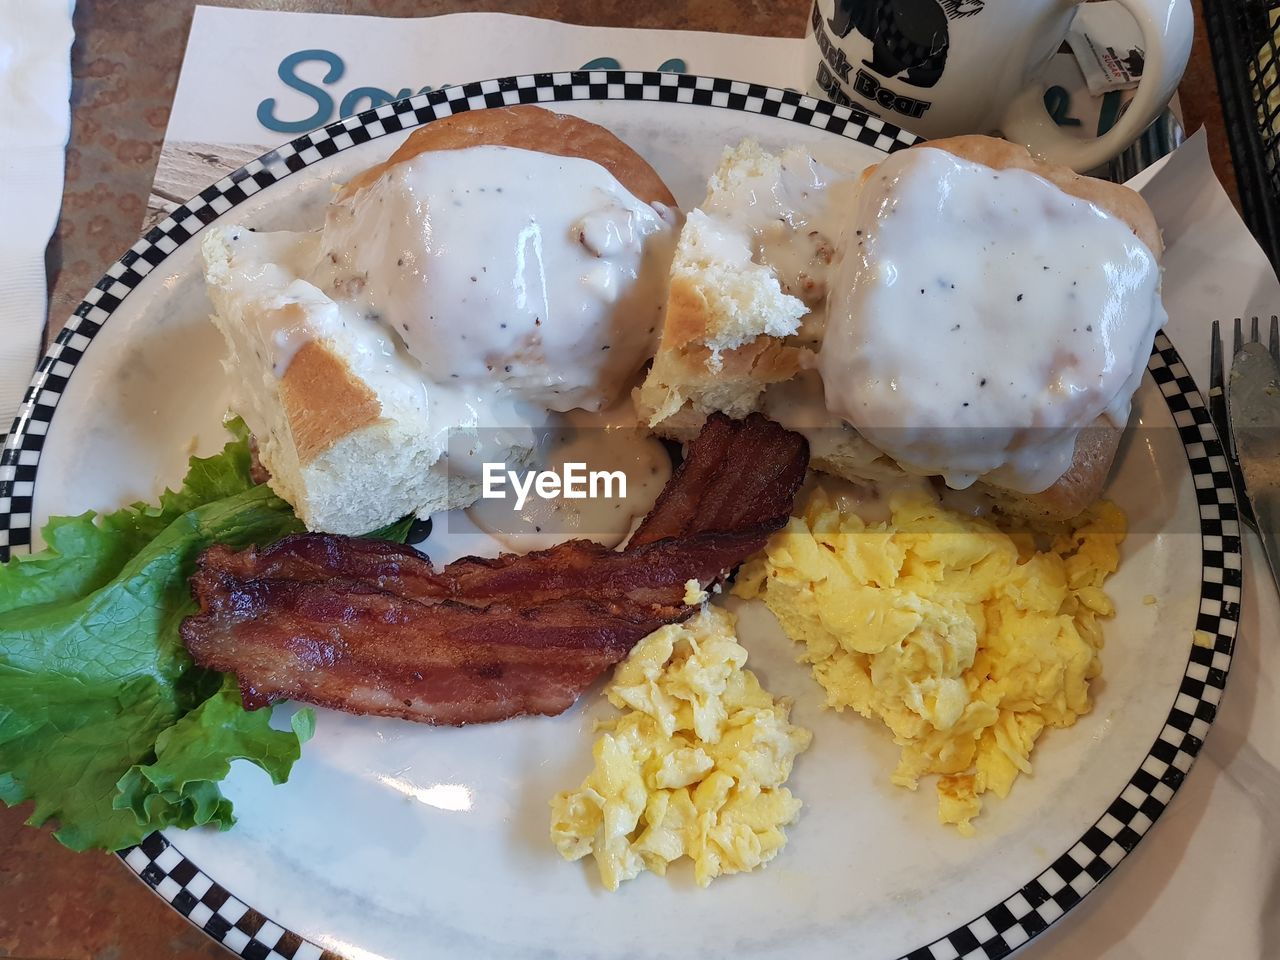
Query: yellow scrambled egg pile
pixel 694 767
pixel 966 640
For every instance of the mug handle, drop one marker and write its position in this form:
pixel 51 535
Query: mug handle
pixel 1167 27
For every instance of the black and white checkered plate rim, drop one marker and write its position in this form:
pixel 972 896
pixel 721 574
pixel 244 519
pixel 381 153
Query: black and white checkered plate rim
pixel 996 932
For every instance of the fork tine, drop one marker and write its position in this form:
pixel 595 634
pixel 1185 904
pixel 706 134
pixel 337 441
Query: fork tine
pixel 1273 341
pixel 1253 331
pixel 1237 341
pixel 1215 361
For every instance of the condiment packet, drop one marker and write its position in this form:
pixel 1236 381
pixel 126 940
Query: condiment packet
pixel 1107 43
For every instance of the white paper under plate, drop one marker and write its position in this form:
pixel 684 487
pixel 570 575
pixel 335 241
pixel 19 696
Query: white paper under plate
pixel 395 840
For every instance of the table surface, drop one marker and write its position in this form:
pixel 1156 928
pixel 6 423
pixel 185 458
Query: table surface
pixel 59 905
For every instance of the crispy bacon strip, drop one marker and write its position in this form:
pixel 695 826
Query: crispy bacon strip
pixel 372 627
pixel 735 474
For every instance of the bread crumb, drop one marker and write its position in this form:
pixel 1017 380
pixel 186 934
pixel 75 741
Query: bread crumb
pixel 1149 599
pixel 1203 638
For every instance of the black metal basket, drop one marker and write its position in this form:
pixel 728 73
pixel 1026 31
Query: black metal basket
pixel 1246 58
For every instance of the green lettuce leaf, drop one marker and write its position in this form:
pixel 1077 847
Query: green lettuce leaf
pixel 105 722
pixel 193 755
pixel 396 532
pixel 81 555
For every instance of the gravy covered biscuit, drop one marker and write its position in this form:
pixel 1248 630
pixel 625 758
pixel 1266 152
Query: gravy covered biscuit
pixel 955 264
pixel 989 308
pixel 500 267
pixel 503 270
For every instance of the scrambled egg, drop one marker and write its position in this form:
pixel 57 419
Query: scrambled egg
pixel 967 641
pixel 695 767
pixel 693 593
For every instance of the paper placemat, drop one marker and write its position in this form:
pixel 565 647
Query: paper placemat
pixel 298 71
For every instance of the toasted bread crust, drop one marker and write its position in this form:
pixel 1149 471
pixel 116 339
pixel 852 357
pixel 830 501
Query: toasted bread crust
pixel 687 370
pixel 323 401
pixel 528 128
pixel 1076 489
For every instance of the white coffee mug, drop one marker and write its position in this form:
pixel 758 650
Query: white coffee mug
pixel 945 67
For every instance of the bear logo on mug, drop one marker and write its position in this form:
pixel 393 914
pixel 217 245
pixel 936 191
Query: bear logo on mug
pixel 908 37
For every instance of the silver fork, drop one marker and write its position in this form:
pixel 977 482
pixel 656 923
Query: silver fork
pixel 1245 409
pixel 1218 410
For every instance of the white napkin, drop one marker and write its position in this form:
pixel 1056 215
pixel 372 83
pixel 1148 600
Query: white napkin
pixel 35 89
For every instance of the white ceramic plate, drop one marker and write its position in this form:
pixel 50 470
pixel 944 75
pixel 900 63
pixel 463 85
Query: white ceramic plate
pixel 394 840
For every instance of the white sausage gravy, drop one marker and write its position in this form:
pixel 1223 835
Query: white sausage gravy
pixel 981 318
pixel 539 274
